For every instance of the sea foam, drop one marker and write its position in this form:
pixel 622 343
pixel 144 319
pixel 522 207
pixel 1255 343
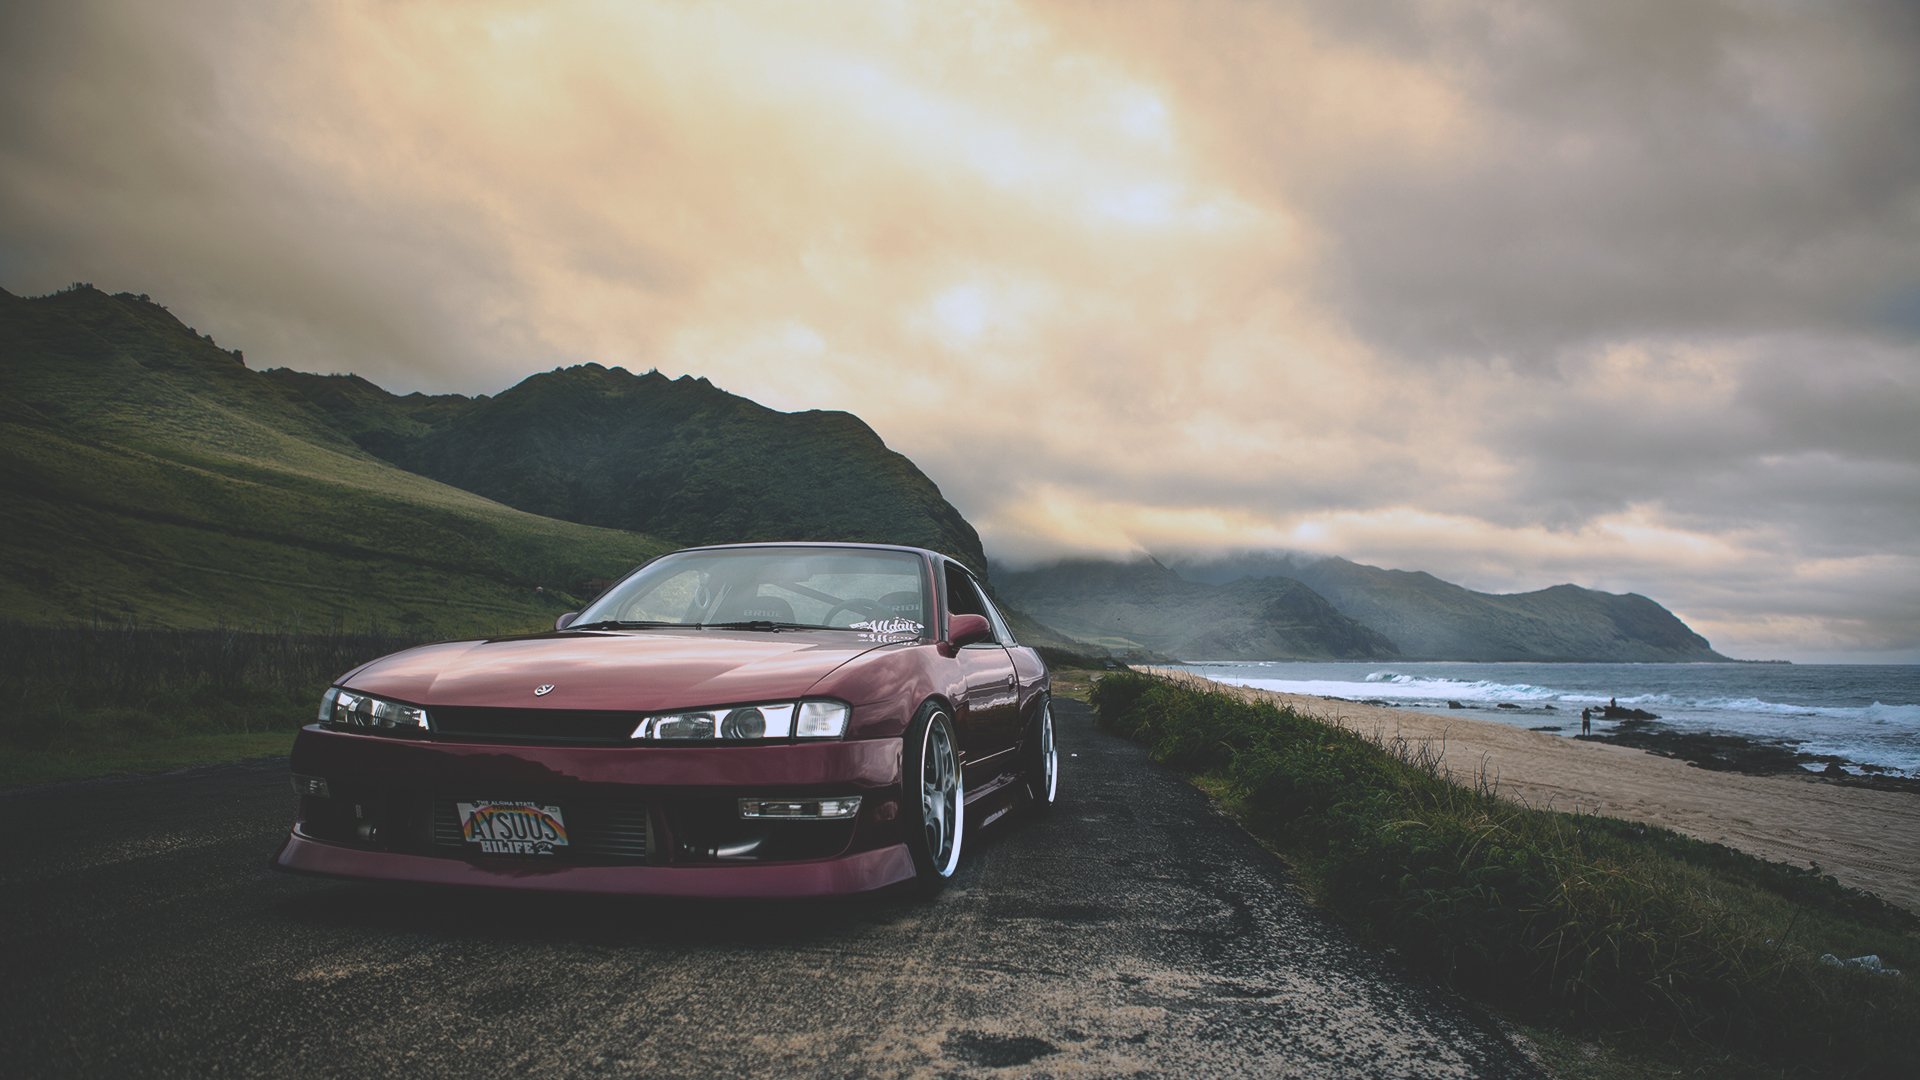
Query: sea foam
pixel 1729 699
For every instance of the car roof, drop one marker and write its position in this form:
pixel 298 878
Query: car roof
pixel 925 552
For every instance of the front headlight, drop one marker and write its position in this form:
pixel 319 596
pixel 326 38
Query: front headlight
pixel 748 723
pixel 821 720
pixel 351 709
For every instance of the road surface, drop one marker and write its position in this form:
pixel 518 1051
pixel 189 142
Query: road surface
pixel 1135 932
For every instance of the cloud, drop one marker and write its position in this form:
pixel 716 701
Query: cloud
pixel 1619 294
pixel 1555 174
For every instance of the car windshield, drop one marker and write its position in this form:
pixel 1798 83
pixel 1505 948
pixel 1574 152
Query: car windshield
pixel 774 588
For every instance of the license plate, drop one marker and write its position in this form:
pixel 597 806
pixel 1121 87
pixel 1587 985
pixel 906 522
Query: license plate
pixel 513 828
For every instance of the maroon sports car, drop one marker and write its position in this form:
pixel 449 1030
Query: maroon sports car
pixel 745 720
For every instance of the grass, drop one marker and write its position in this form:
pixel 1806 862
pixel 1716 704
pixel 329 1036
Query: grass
pixel 193 540
pixel 1073 681
pixel 131 756
pixel 1690 955
pixel 85 701
pixel 150 476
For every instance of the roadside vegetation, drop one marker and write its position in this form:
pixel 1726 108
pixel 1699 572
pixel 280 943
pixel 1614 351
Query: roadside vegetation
pixel 83 701
pixel 1687 955
pixel 1074 681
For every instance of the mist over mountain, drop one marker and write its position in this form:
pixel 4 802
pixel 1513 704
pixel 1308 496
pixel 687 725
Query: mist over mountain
pixel 1144 605
pixel 669 457
pixel 1431 619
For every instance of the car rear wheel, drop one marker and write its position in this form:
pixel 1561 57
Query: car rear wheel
pixel 936 797
pixel 1043 760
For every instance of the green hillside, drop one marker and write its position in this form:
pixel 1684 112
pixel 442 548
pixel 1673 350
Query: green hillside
pixel 150 475
pixel 1144 605
pixel 670 457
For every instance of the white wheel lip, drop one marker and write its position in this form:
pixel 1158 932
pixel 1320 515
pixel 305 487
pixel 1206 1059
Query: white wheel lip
pixel 1050 753
pixel 958 811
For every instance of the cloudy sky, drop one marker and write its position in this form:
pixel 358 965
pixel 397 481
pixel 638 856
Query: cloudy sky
pixel 1625 294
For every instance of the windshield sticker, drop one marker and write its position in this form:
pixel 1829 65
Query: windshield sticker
pixel 890 626
pixel 887 630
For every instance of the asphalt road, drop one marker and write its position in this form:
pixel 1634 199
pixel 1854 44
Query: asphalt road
pixel 1135 932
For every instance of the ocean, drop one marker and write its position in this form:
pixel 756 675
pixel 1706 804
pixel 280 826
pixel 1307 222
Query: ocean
pixel 1868 714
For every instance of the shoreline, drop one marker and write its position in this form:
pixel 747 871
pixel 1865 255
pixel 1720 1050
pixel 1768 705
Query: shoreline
pixel 1864 833
pixel 1751 755
pixel 1709 735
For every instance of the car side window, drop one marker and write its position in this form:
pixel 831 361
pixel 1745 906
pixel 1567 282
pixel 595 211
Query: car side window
pixel 965 598
pixel 1000 629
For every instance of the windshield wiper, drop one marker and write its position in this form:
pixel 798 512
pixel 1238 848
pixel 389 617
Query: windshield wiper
pixel 759 624
pixel 622 624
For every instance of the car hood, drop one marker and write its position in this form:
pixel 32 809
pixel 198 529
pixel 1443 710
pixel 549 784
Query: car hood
pixel 641 670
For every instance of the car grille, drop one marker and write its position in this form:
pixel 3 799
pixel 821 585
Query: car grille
pixel 597 831
pixel 535 725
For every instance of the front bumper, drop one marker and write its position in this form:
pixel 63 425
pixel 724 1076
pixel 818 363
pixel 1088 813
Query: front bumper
pixel 645 820
pixel 853 873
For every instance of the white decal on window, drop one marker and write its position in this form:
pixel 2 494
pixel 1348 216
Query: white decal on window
pixel 890 626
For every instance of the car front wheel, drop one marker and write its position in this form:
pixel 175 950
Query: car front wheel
pixel 936 796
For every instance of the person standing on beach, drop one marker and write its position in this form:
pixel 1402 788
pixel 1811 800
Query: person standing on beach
pixel 1586 721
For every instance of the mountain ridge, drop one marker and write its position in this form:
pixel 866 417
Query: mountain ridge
pixel 1399 614
pixel 1143 605
pixel 152 476
pixel 1430 618
pixel 672 457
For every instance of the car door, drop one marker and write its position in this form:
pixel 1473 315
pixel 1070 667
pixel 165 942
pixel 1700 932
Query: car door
pixel 990 716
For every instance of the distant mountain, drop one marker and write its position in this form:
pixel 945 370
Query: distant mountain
pixel 668 457
pixel 1431 619
pixel 149 474
pixel 1143 605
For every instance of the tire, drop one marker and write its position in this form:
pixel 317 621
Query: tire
pixel 935 797
pixel 1042 760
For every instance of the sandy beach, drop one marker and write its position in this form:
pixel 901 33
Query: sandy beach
pixel 1865 838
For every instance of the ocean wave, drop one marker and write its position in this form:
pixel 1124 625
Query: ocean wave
pixel 1413 689
pixel 1887 735
pixel 1399 686
pixel 1480 689
pixel 1905 715
pixel 1461 689
pixel 1894 714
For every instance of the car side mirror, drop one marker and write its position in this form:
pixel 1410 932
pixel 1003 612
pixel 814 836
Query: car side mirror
pixel 566 620
pixel 964 630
